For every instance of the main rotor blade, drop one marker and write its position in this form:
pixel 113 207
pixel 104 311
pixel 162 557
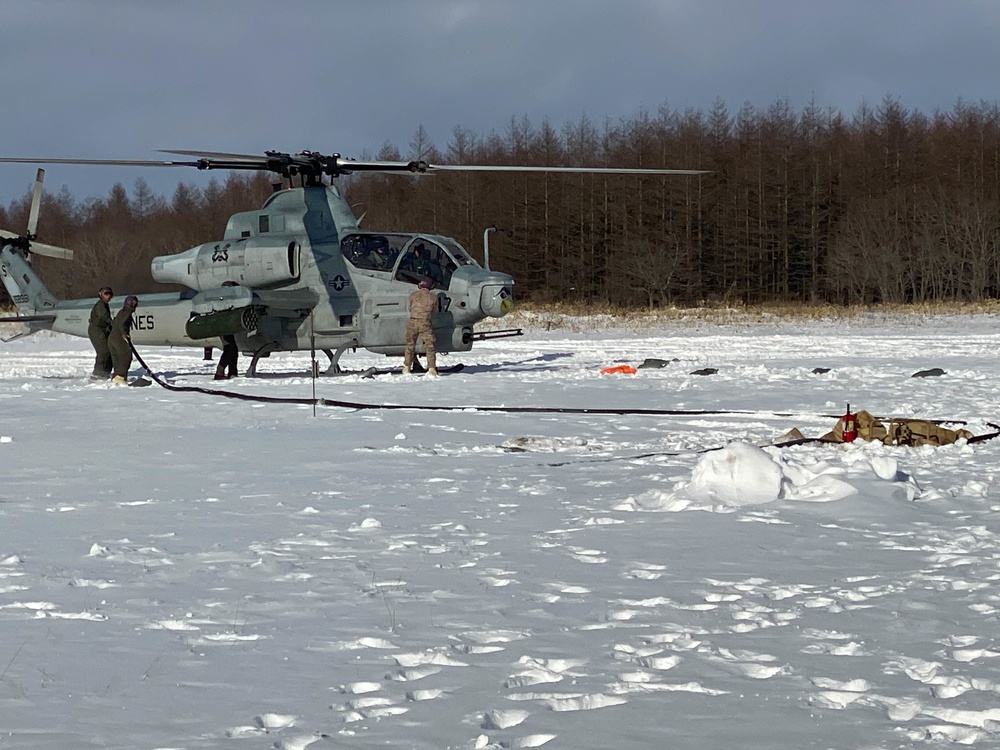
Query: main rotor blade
pixel 422 167
pixel 273 162
pixel 99 162
pixel 570 170
pixel 36 201
pixel 313 164
pixel 354 165
pixel 212 154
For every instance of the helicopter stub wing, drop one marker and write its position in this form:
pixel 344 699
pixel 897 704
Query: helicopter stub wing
pixel 287 299
pixel 242 310
pixel 27 318
pixel 29 324
pixel 277 301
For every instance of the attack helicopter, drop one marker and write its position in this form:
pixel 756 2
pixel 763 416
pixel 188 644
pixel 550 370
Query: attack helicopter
pixel 297 274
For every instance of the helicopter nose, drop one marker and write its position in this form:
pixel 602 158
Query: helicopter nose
pixel 496 300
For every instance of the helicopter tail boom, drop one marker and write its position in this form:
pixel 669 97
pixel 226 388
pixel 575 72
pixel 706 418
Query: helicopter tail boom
pixel 27 291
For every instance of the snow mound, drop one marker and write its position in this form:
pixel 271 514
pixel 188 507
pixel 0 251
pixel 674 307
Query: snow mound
pixel 739 474
pixel 742 474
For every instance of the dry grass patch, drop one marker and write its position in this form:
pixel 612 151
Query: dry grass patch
pixel 580 317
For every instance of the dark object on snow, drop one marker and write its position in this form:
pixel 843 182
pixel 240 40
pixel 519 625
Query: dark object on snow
pixel 820 370
pixel 706 371
pixel 932 373
pixel 372 372
pixel 655 363
pixel 141 382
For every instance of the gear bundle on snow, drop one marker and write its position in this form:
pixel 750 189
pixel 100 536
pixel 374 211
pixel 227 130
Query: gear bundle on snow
pixel 897 431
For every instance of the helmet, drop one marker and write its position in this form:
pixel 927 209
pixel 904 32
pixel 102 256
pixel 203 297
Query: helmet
pixel 426 282
pixel 131 302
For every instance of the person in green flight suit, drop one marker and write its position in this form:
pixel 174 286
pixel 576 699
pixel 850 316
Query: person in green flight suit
pixel 229 360
pixel 119 340
pixel 421 262
pixel 98 328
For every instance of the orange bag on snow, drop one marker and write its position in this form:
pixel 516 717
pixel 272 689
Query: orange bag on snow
pixel 619 370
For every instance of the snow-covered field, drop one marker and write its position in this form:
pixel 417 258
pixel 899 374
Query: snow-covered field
pixel 181 570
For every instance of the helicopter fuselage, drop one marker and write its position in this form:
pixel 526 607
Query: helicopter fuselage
pixel 300 274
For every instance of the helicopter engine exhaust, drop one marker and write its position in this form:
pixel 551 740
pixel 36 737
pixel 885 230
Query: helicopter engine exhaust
pixel 248 262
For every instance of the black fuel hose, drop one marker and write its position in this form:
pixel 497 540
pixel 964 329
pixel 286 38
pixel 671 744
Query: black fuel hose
pixel 357 405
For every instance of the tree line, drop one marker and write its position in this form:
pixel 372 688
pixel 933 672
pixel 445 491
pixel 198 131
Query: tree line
pixel 885 205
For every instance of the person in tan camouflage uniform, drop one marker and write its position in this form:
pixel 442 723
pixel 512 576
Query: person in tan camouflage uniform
pixel 423 303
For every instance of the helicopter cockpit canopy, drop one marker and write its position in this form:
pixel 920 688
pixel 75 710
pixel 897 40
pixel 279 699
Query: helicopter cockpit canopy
pixel 411 256
pixel 373 252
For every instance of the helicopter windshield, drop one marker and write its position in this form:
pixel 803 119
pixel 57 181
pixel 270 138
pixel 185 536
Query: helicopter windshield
pixel 373 252
pixel 436 259
pixel 458 253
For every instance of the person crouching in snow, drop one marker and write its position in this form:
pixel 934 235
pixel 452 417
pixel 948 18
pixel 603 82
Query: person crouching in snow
pixel 119 340
pixel 422 305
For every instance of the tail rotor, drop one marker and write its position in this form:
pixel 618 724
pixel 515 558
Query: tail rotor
pixel 36 202
pixel 27 243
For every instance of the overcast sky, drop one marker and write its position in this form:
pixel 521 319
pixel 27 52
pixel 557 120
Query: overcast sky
pixel 122 78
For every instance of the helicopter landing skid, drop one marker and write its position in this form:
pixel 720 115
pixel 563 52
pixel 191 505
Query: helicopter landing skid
pixel 334 356
pixel 264 351
pixel 334 368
